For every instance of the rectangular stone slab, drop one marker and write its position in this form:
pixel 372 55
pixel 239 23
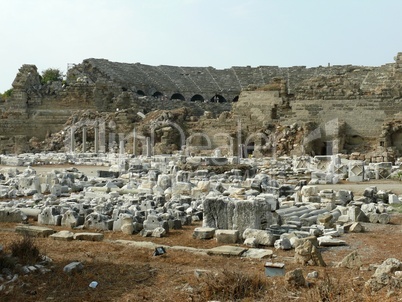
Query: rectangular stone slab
pixel 227 250
pixel 34 231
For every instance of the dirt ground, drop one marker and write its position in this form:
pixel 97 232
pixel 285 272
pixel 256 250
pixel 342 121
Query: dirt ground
pixel 127 273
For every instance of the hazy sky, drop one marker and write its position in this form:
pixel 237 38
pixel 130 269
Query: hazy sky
pixel 218 33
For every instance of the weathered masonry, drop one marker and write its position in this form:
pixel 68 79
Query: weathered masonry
pixel 300 110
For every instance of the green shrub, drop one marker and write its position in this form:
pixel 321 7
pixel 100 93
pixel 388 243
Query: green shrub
pixel 51 75
pixel 6 94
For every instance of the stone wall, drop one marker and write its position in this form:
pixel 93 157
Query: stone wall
pixel 292 107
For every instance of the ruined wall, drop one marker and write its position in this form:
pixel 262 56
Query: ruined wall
pixel 269 100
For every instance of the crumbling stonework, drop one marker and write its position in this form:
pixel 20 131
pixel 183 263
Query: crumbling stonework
pixel 261 111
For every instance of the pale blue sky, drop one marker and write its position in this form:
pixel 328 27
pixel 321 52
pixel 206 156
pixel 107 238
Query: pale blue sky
pixel 218 33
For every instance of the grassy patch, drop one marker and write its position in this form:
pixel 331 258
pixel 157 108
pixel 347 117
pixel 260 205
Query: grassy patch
pixel 397 207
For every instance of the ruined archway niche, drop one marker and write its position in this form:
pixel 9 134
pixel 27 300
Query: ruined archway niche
pixel 197 98
pixel 177 96
pixel 217 98
pixel 391 136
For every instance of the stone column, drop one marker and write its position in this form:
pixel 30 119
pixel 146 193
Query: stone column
pixel 72 139
pixel 96 138
pixel 84 139
pixel 102 137
pixel 149 147
pixel 134 142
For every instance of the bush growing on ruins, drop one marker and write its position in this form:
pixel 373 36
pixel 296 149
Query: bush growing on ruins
pixel 6 94
pixel 51 75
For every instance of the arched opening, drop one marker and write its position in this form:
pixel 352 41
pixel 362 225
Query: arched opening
pixel 396 140
pixel 250 149
pixel 158 95
pixel 235 99
pixel 140 93
pixel 177 96
pixel 197 98
pixel 217 98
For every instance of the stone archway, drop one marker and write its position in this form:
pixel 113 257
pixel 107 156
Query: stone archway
pixel 197 98
pixel 217 98
pixel 140 92
pixel 177 96
pixel 235 99
pixel 158 95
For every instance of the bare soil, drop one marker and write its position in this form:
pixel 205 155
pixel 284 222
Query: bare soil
pixel 126 273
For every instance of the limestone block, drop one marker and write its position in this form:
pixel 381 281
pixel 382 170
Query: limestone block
pixel 393 199
pixel 227 236
pixel 159 232
pixel 204 186
pixel 73 267
pixel 50 215
pixel 262 237
pixel 63 236
pixel 97 221
pixel 181 188
pixel 343 197
pixel 88 236
pixel 252 213
pixel 330 241
pixel 384 218
pixel 164 181
pixel 11 215
pixel 34 231
pixel 216 212
pixel 204 233
pixel 309 191
pixel 283 244
pixel 70 219
pixel 295 278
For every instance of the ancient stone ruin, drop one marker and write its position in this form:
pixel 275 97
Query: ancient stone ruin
pixel 258 111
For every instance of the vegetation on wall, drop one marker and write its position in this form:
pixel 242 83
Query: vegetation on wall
pixel 6 94
pixel 51 75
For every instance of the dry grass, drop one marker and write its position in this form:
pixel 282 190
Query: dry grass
pixel 126 273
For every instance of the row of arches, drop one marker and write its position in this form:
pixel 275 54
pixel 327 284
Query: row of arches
pixel 217 98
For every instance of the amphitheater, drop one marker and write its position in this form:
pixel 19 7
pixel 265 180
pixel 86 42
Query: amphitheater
pixel 246 111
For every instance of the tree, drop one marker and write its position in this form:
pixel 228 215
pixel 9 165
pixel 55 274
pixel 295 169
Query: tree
pixel 51 75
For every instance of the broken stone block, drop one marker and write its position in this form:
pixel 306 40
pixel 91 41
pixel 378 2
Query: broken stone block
pixel 88 236
pixel 181 188
pixel 70 218
pixel 356 227
pixel 330 241
pixel 295 278
pixel 11 215
pixel 384 218
pixel 251 242
pixel 63 236
pixel 308 253
pixel 309 191
pixel 383 275
pixel 258 253
pixel 227 236
pixel 204 233
pixel 227 250
pixel 283 244
pixel 98 221
pixel 50 216
pixel 262 237
pixel 353 261
pixel 73 267
pixel 159 232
